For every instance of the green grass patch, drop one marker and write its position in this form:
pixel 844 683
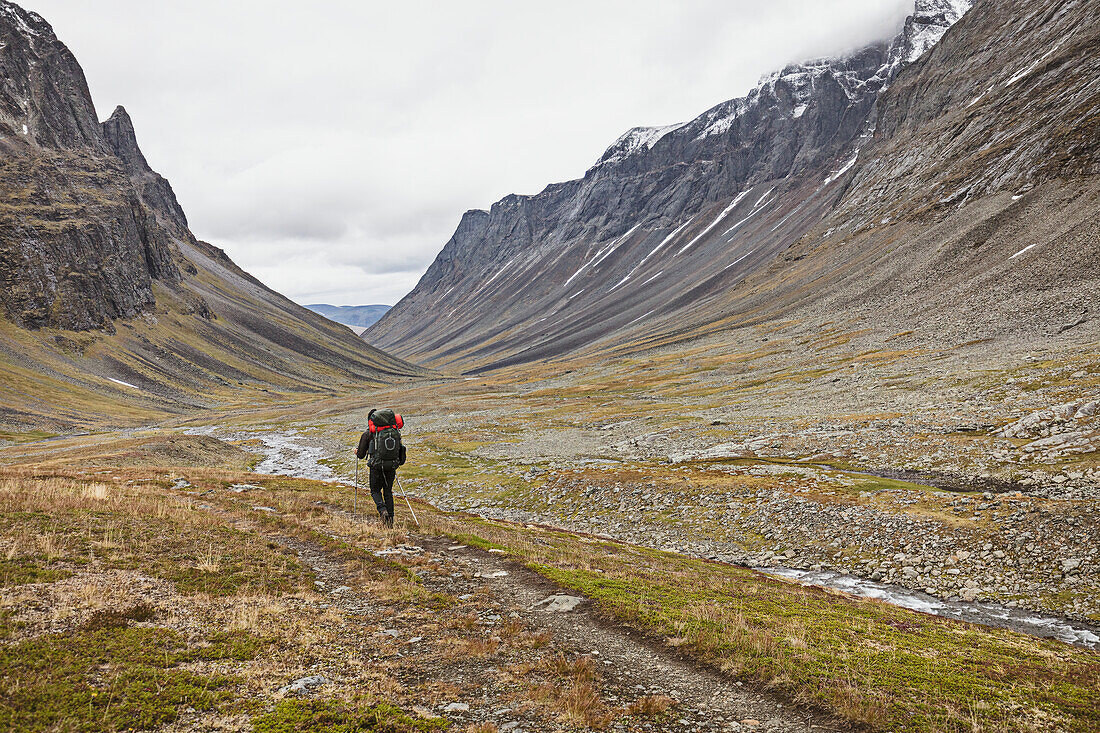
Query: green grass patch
pixel 323 716
pixel 23 570
pixel 111 676
pixel 28 437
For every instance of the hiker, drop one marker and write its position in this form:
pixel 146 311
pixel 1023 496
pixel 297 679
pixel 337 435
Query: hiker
pixel 381 446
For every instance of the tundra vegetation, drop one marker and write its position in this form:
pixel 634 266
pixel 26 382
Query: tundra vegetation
pixel 144 596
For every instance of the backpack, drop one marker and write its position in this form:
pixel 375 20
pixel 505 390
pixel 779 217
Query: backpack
pixel 385 428
pixel 379 419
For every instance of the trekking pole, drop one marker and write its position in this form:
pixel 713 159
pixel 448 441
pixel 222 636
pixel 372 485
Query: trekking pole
pixel 355 501
pixel 407 502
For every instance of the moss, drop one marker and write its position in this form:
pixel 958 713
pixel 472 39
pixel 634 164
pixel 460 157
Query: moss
pixel 119 618
pixel 27 437
pixel 366 563
pixel 238 646
pixel 323 716
pixel 111 677
pixel 7 626
pixel 22 570
pixel 475 541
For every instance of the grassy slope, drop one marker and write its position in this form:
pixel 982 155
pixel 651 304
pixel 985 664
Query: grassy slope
pixel 178 363
pixel 865 661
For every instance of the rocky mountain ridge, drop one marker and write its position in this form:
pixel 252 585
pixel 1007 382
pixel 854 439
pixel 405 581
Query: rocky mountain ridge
pixel 611 242
pixel 805 200
pixel 103 287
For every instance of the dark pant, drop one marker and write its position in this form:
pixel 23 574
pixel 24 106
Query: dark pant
pixel 381 489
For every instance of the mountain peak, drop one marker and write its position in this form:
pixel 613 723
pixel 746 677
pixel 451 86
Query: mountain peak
pixel 634 140
pixel 925 27
pixel 674 218
pixel 867 71
pixel 44 98
pixel 119 131
pixel 155 191
pixel 27 22
pixel 121 115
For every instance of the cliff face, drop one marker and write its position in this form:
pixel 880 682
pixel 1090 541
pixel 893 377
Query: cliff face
pixel 103 284
pixel 666 217
pixel 973 211
pixel 77 247
pixel 44 97
pixel 155 191
pixel 1011 102
pixel 943 184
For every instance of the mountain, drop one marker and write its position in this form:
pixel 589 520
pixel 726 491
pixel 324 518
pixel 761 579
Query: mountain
pixel 360 316
pixel 902 157
pixel 108 301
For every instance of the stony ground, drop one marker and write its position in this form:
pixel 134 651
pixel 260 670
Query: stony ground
pixel 260 603
pixel 443 630
pixel 971 473
pixel 973 481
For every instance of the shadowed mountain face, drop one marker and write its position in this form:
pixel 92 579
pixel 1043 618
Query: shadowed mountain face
pixel 687 229
pixel 100 277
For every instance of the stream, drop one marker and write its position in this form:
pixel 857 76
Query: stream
pixel 284 453
pixel 290 454
pixel 989 614
pixel 935 480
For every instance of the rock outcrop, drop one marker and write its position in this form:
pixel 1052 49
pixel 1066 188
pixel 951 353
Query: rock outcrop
pixel 78 249
pixel 1010 103
pixel 155 191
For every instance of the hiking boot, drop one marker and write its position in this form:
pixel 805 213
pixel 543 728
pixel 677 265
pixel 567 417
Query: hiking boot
pixel 387 519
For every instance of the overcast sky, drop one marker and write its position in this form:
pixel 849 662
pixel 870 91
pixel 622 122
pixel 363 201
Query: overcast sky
pixel 331 147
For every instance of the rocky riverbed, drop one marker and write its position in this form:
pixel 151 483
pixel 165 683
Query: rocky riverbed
pixel 812 535
pixel 1016 549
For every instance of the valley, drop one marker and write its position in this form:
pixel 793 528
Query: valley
pixel 785 418
pixel 913 487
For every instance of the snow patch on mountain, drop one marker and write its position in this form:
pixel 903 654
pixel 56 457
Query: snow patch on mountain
pixel 793 88
pixel 20 17
pixel 925 27
pixel 602 254
pixel 654 251
pixel 756 209
pixel 1034 65
pixel 633 141
pixel 720 217
pixel 843 169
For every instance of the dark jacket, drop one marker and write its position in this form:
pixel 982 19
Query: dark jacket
pixel 365 446
pixel 366 449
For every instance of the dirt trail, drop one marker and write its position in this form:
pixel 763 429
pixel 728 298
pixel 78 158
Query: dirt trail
pixel 708 702
pixel 629 666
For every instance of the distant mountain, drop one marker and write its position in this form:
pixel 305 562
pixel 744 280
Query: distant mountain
pixel 362 316
pixel 108 302
pixel 907 173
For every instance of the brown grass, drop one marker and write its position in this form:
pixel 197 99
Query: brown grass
pixel 482 728
pixel 574 691
pixel 650 706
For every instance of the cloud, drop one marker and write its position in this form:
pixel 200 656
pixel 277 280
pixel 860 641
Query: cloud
pixel 332 147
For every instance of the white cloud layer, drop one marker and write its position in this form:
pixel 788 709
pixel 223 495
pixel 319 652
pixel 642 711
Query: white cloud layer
pixel 331 147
